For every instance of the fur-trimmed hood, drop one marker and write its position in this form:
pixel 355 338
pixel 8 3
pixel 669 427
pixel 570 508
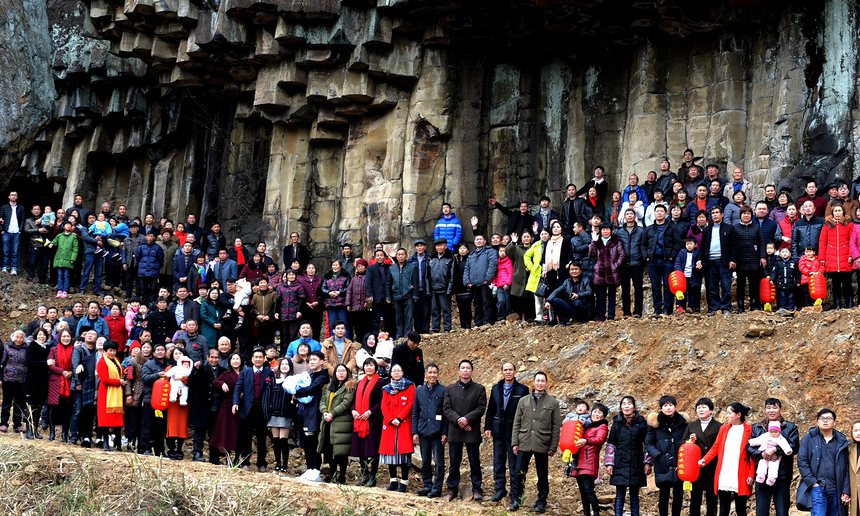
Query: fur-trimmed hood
pixel 653 421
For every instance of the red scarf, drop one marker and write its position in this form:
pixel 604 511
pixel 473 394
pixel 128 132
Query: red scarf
pixel 240 256
pixel 593 201
pixel 362 404
pixel 64 362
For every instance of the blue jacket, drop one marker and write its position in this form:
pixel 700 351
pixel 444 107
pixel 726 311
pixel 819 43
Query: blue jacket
pixel 402 283
pixel 150 258
pixel 766 230
pixel 426 412
pixel 182 269
pixel 809 460
pixel 243 395
pixel 293 348
pixel 89 240
pixel 100 325
pixel 481 266
pixel 450 229
pixel 225 271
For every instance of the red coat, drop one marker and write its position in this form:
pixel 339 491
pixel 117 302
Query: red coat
pixel 114 419
pixel 834 246
pixel 55 373
pixel 786 227
pixel 808 267
pixel 588 457
pixel 117 331
pixel 397 406
pixel 746 469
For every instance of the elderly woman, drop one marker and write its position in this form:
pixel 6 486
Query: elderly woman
pixel 367 422
pixel 14 366
pixel 110 397
pixel 37 379
pixel 735 471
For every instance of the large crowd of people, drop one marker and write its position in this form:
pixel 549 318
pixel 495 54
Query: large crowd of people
pixel 220 342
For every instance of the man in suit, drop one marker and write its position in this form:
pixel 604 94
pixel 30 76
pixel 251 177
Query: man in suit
pixel 464 405
pixel 499 423
pixel 716 252
pixel 704 433
pixel 184 308
pixel 295 251
pixel 248 403
pixel 375 286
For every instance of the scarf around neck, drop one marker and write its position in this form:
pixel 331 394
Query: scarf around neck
pixel 362 403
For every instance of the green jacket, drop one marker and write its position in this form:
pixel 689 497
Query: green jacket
pixel 67 250
pixel 537 425
pixel 340 434
pixel 533 258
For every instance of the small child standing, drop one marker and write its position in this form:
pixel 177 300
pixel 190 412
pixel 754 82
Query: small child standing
pixel 807 265
pixel 502 284
pixel 64 259
pixel 687 261
pixel 786 278
pixel 767 470
pixel 772 257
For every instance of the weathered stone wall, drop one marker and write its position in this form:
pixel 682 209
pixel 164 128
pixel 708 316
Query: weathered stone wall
pixel 353 121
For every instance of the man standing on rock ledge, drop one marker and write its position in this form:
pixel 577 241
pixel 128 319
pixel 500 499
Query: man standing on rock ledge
pixel 464 405
pixel 499 425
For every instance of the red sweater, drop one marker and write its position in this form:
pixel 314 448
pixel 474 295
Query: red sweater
pixel 746 469
pixel 117 331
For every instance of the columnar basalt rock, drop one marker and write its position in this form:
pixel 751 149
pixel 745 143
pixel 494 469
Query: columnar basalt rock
pixel 354 120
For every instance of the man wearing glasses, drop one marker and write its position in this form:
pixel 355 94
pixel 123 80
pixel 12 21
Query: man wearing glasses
pixel 823 466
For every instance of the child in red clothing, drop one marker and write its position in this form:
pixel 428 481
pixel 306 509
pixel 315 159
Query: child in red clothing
pixel 502 284
pixel 808 264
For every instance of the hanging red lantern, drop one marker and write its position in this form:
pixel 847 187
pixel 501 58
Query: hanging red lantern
pixel 767 293
pixel 817 287
pixel 677 284
pixel 688 464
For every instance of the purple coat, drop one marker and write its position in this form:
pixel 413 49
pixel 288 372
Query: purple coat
pixel 290 297
pixel 607 260
pixel 356 297
pixel 332 284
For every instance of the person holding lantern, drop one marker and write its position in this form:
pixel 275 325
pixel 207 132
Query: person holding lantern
pixel 735 472
pixel 588 458
pixel 703 433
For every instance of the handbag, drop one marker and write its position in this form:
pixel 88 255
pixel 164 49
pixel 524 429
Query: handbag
pixel 542 289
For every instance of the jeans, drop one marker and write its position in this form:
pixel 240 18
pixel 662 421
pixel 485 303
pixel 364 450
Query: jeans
pixel 92 264
pixel 824 502
pixel 484 306
pixel 541 468
pixel 503 303
pixel 632 274
pixel 605 296
pixel 38 264
pixel 621 494
pixel 403 311
pixel 726 498
pixel 441 313
pixel 337 314
pixel 503 453
pixel 786 298
pixel 779 494
pixel 566 310
pixel 63 275
pixel 432 471
pixel 658 272
pixel 719 286
pixel 11 242
pixel 455 454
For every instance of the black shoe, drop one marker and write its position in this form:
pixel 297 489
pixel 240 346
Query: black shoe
pixel 540 507
pixel 514 506
pixel 198 457
pixel 498 496
pixel 29 433
pixel 434 494
pixel 51 434
pixel 424 491
pixel 86 443
pixel 392 486
pixel 402 487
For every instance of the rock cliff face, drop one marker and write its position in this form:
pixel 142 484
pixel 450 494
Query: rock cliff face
pixel 355 120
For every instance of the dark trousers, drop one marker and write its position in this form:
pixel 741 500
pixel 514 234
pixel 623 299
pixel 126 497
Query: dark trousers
pixel 786 298
pixel 384 312
pixel 359 323
pixel 148 289
pixel 693 296
pixel 632 274
pixel 522 467
pixel 252 426
pixel 588 495
pixel 421 312
pixel 132 424
pixel 464 307
pixel 503 454
pixel 621 495
pixel 113 273
pixel 843 293
pixel 92 265
pixel 14 401
pixel 753 278
pixel 779 494
pixel 485 305
pixel 455 454
pixel 726 498
pixel 432 462
pixel 403 310
pixel 131 281
pixel 37 264
pixel 310 440
pixel 570 310
pixel 676 492
pixel 81 424
pixel 605 301
pixel 289 333
pixel 152 430
pixel 658 272
pixel 441 312
pixel 524 305
pixel 719 286
pixel 61 415
pixel 704 486
pixel 200 434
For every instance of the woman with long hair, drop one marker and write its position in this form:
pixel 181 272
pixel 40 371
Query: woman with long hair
pixel 224 436
pixel 37 379
pixel 337 423
pixel 279 413
pixel 367 422
pixel 735 470
pixel 461 291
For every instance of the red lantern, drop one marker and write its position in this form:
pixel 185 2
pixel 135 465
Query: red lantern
pixel 571 432
pixel 688 464
pixel 817 287
pixel 160 395
pixel 767 293
pixel 677 284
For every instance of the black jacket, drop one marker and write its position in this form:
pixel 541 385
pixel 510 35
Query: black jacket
pixel 517 222
pixel 584 209
pixel 665 437
pixel 748 250
pixel 628 440
pixel 704 440
pixel 203 398
pixel 6 215
pixel 602 189
pixel 634 244
pixel 190 309
pixel 500 419
pixel 411 360
pixel 162 325
pixel 785 274
pixel 727 240
pixel 568 287
pixel 677 232
pixel 653 239
pixel 299 253
pixel 441 273
pixel 569 215
pixel 791 434
pixel 376 281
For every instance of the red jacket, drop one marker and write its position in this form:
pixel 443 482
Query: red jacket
pixel 588 457
pixel 746 469
pixel 117 331
pixel 397 406
pixel 786 227
pixel 504 273
pixel 834 246
pixel 808 267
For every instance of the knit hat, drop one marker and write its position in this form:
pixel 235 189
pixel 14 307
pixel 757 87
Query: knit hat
pixel 774 425
pixel 135 344
pixel 361 261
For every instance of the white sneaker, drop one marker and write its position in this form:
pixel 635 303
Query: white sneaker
pixel 4 269
pixel 14 271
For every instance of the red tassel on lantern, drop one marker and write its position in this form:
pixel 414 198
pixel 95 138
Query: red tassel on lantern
pixel 688 464
pixel 160 396
pixel 677 284
pixel 767 293
pixel 817 287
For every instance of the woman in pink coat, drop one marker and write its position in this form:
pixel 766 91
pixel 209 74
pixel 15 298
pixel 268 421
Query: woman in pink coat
pixel 502 283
